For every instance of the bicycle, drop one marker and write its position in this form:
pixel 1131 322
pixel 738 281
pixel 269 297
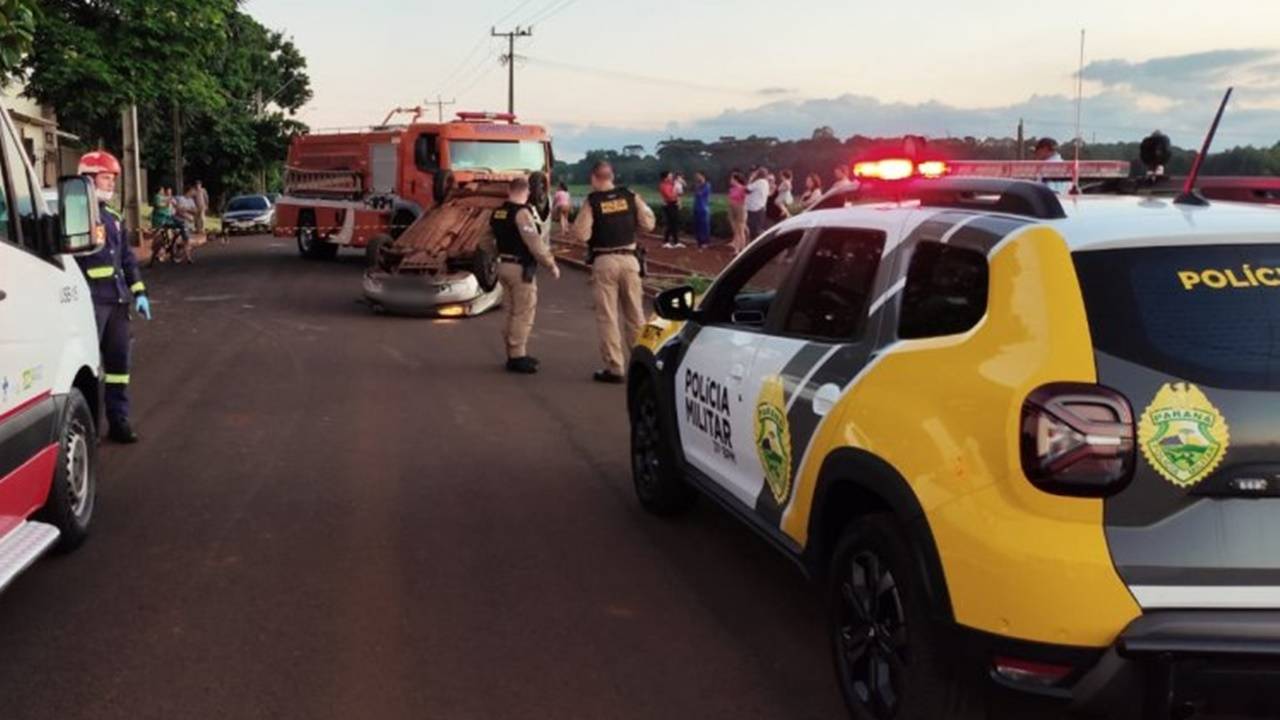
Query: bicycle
pixel 167 245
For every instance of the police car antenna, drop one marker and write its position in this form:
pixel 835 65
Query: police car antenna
pixel 1075 168
pixel 1189 195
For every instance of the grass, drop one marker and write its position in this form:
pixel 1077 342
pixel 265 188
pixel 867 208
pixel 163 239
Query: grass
pixel 719 201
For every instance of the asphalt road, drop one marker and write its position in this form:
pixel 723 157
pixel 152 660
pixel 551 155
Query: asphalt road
pixel 339 515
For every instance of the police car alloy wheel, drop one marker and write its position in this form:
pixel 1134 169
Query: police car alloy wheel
pixel 889 659
pixel 660 490
pixel 74 491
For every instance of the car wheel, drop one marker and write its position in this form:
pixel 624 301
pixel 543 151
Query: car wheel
pixel 75 478
pixel 484 265
pixel 889 658
pixel 373 251
pixel 659 485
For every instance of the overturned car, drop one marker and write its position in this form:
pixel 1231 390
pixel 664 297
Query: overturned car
pixel 446 263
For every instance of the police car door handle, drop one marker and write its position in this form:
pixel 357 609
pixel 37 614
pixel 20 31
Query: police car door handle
pixel 825 399
pixel 737 372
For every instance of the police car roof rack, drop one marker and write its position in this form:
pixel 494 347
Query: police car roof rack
pixel 1013 197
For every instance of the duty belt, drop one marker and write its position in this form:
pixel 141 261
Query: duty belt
pixel 616 251
pixel 511 259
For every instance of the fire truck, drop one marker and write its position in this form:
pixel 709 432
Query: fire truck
pixel 346 188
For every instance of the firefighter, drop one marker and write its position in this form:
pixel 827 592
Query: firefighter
pixel 607 223
pixel 115 284
pixel 521 250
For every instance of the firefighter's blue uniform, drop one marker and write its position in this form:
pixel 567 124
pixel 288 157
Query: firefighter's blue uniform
pixel 114 281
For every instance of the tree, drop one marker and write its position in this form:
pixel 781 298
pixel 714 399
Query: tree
pixel 234 81
pixel 17 31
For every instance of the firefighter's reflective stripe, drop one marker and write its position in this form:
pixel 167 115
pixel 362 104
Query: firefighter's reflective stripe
pixel 100 273
pixel 137 287
pixel 116 379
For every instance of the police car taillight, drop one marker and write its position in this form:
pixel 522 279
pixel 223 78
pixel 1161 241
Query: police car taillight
pixel 1077 439
pixel 898 169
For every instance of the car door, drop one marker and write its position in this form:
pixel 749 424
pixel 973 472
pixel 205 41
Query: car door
pixel 712 403
pixel 30 323
pixel 825 333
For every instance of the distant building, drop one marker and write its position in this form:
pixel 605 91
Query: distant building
pixel 53 153
pixel 633 151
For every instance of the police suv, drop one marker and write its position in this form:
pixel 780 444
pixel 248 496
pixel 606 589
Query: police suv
pixel 1030 442
pixel 49 365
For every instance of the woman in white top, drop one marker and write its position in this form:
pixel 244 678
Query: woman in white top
pixel 812 190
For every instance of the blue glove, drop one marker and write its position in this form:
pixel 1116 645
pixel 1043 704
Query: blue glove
pixel 143 306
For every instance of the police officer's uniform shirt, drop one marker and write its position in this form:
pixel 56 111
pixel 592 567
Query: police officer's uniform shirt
pixel 583 224
pixel 522 220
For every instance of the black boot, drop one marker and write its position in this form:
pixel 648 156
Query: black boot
pixel 608 377
pixel 523 365
pixel 120 431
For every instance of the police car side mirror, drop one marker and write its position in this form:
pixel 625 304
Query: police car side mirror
pixel 80 229
pixel 675 304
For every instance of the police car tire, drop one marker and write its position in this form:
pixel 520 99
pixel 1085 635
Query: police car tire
pixel 77 463
pixel 374 249
pixel 931 684
pixel 658 483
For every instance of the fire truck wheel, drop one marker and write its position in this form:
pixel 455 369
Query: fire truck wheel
pixel 373 251
pixel 484 265
pixel 75 478
pixel 443 186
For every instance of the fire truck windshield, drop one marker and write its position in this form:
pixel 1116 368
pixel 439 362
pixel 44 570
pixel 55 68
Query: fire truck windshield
pixel 497 155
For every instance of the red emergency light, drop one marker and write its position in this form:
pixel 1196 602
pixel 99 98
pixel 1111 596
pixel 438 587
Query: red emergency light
pixel 898 169
pixel 469 116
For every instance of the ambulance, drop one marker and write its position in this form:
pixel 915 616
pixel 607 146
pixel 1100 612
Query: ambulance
pixel 49 365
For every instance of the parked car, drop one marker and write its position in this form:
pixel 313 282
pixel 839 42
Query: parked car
pixel 248 214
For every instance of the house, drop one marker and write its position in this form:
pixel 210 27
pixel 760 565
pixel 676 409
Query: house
pixel 53 153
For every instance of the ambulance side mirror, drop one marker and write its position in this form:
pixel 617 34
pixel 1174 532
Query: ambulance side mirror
pixel 675 304
pixel 80 229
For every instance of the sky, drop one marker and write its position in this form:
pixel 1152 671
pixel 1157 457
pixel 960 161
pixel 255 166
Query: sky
pixel 604 74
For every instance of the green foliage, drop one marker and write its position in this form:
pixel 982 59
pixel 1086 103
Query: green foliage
pixel 822 152
pixel 235 82
pixel 17 31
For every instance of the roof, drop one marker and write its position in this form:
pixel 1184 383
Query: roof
pixel 1096 222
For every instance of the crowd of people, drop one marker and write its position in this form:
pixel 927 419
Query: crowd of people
pixel 183 214
pixel 758 199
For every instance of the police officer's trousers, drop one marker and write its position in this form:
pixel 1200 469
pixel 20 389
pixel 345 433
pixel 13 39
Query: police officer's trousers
pixel 522 302
pixel 616 283
pixel 114 340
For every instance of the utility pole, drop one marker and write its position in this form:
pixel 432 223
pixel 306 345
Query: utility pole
pixel 132 180
pixel 439 106
pixel 510 59
pixel 1022 144
pixel 177 149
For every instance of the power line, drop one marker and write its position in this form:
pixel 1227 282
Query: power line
pixel 638 78
pixel 477 79
pixel 519 6
pixel 553 9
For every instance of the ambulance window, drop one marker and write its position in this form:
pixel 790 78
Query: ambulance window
pixel 945 293
pixel 22 205
pixel 425 154
pixel 743 297
pixel 835 289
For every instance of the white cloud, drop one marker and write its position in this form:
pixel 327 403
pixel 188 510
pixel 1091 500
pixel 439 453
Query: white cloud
pixel 1176 94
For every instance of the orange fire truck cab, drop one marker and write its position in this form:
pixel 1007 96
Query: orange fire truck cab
pixel 345 188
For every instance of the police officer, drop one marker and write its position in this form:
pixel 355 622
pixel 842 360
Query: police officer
pixel 516 228
pixel 607 223
pixel 115 284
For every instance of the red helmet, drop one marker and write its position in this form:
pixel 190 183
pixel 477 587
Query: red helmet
pixel 99 161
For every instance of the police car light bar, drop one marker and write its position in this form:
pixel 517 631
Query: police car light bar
pixel 898 169
pixel 1037 170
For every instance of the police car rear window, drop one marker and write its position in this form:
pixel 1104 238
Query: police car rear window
pixel 1206 314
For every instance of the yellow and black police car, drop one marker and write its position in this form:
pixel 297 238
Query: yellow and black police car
pixel 1031 442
